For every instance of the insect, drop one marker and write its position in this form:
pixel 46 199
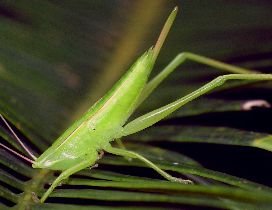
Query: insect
pixel 82 144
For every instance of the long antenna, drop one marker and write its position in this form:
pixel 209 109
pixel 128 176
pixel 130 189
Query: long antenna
pixel 164 32
pixel 18 139
pixel 16 153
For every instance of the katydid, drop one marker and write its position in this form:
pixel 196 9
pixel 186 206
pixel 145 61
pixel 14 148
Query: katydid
pixel 82 144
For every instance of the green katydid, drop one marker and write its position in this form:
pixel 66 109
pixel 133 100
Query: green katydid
pixel 82 144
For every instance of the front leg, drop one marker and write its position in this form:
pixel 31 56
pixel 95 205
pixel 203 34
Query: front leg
pixel 64 175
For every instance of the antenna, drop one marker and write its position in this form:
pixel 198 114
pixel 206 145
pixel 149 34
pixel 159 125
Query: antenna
pixel 16 153
pixel 19 141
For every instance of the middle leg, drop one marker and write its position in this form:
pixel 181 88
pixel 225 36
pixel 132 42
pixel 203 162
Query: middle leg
pixel 130 154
